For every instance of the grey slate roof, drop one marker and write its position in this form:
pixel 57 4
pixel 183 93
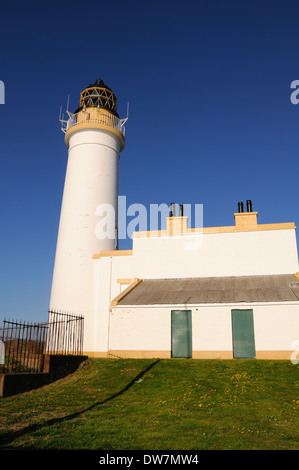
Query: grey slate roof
pixel 276 288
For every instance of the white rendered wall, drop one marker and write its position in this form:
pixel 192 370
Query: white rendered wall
pixel 218 254
pixel 221 254
pixel 276 327
pixel 140 329
pixel 148 328
pixel 211 328
pixel 91 179
pixel 107 271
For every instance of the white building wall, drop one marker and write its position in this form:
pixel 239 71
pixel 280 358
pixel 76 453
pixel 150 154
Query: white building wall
pixel 260 252
pixel 98 338
pixel 147 330
pixel 121 269
pixel 107 270
pixel 211 328
pixel 276 326
pixel 140 329
pixel 219 254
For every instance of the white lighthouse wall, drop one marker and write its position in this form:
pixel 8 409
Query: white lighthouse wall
pixel 91 180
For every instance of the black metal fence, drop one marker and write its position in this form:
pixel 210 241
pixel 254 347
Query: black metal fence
pixel 23 344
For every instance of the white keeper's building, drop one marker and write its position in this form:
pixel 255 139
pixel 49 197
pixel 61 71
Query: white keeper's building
pixel 213 292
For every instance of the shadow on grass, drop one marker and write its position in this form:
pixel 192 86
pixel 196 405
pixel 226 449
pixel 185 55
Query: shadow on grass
pixel 9 437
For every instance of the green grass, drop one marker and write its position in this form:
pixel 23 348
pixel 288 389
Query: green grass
pixel 148 404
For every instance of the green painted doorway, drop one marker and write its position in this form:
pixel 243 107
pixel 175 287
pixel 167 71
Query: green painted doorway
pixel 243 334
pixel 181 333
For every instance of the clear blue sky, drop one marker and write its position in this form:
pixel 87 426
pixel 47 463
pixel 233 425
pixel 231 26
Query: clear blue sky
pixel 210 122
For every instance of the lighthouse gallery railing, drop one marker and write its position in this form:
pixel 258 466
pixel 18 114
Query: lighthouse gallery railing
pixel 97 115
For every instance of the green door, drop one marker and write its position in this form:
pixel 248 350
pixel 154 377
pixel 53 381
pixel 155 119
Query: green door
pixel 181 333
pixel 243 334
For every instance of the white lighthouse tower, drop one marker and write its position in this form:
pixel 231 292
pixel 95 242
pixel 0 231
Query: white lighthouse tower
pixel 94 135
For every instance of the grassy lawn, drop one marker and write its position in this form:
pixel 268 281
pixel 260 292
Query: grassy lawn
pixel 152 404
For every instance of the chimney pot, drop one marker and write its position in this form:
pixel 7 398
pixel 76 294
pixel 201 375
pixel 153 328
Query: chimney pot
pixel 249 205
pixel 172 210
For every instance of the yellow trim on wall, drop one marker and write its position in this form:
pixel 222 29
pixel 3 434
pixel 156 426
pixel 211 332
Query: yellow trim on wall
pixel 154 354
pixel 212 355
pixel 112 253
pixel 124 281
pixel 253 228
pixel 98 354
pixel 138 354
pixel 225 229
pixel 120 296
pixel 297 276
pixel 95 125
pixel 281 355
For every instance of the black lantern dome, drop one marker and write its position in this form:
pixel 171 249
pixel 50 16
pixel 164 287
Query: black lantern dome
pixel 98 95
